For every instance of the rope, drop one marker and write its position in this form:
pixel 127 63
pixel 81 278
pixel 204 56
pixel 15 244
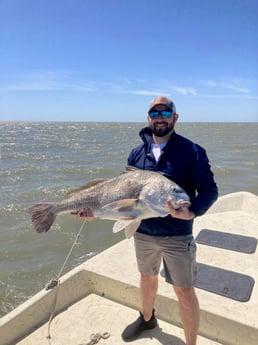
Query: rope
pixel 95 338
pixel 55 282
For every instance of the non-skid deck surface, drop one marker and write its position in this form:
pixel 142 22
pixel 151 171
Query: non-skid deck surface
pixel 228 283
pixel 229 241
pixel 224 282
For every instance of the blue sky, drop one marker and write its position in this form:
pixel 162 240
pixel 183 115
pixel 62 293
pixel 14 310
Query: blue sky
pixel 104 60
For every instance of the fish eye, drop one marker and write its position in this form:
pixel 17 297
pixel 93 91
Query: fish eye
pixel 177 190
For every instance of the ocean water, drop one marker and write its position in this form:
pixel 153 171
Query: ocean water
pixel 43 161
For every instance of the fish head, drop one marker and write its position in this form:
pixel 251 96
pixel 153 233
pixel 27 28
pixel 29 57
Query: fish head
pixel 178 197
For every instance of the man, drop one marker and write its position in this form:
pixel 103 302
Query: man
pixel 170 238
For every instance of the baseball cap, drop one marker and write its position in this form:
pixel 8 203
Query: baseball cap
pixel 162 101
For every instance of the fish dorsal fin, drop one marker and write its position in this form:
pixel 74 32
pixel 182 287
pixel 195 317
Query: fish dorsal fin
pixel 86 186
pixel 130 168
pixel 124 205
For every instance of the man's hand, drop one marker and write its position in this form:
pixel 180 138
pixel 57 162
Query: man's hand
pixel 86 213
pixel 182 212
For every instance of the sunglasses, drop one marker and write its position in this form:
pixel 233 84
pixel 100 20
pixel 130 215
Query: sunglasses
pixel 165 114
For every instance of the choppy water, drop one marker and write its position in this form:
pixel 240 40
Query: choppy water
pixel 44 160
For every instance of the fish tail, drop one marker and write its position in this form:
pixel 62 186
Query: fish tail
pixel 42 216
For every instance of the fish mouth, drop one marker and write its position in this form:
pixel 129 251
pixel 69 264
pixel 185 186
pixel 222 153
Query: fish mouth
pixel 182 202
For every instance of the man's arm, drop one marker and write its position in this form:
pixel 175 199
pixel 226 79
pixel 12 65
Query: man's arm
pixel 205 186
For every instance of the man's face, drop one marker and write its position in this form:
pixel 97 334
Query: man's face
pixel 162 126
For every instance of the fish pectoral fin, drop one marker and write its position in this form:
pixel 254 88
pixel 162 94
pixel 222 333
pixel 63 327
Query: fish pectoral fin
pixel 130 226
pixel 121 224
pixel 125 205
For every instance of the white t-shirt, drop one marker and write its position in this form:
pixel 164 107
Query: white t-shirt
pixel 157 149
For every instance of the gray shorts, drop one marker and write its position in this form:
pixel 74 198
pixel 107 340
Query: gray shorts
pixel 178 254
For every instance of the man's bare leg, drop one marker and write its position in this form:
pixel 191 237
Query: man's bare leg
pixel 189 312
pixel 148 288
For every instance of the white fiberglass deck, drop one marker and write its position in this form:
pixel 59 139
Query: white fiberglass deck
pixel 102 295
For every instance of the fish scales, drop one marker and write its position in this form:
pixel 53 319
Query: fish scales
pixel 128 198
pixel 103 193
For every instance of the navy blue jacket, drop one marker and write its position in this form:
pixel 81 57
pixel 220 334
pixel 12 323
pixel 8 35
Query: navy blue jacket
pixel 187 164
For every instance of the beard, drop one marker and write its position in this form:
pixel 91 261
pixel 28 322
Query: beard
pixel 161 132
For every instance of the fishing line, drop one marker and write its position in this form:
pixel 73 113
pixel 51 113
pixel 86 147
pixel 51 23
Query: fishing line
pixel 55 282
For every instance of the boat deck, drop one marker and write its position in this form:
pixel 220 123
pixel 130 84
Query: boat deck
pixel 96 314
pixel 102 294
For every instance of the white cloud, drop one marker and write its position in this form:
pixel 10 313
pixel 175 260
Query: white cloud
pixel 48 80
pixel 235 85
pixel 71 80
pixel 185 91
pixel 229 96
pixel 164 88
pixel 148 93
